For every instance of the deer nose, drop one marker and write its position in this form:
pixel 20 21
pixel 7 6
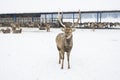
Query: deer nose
pixel 66 35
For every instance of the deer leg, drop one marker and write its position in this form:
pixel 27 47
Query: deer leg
pixel 59 58
pixel 62 61
pixel 68 56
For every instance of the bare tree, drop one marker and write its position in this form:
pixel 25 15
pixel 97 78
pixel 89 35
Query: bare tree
pixel 64 41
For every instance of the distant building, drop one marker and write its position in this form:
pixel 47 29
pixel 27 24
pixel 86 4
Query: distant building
pixel 51 17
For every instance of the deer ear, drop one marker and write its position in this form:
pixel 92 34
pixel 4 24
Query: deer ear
pixel 73 29
pixel 63 29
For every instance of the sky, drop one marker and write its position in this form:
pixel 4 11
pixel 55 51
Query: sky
pixel 25 6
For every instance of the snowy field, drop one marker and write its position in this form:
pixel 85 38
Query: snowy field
pixel 33 55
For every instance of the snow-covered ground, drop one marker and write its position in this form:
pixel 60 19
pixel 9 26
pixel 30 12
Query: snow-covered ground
pixel 33 55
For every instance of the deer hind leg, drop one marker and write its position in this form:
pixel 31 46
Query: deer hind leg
pixel 68 57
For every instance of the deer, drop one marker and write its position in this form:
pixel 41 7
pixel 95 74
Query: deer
pixel 44 26
pixel 7 30
pixel 16 28
pixel 48 27
pixel 64 41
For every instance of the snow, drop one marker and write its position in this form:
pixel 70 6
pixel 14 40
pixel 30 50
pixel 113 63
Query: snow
pixel 32 55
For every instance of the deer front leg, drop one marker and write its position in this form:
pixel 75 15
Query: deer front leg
pixel 62 63
pixel 62 57
pixel 68 57
pixel 59 58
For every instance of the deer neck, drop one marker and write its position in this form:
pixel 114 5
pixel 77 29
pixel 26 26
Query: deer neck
pixel 68 44
pixel 68 40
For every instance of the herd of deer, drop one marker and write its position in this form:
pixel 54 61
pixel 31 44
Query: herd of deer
pixel 15 28
pixel 64 41
pixel 99 24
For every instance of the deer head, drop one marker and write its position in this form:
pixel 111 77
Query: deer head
pixel 68 29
